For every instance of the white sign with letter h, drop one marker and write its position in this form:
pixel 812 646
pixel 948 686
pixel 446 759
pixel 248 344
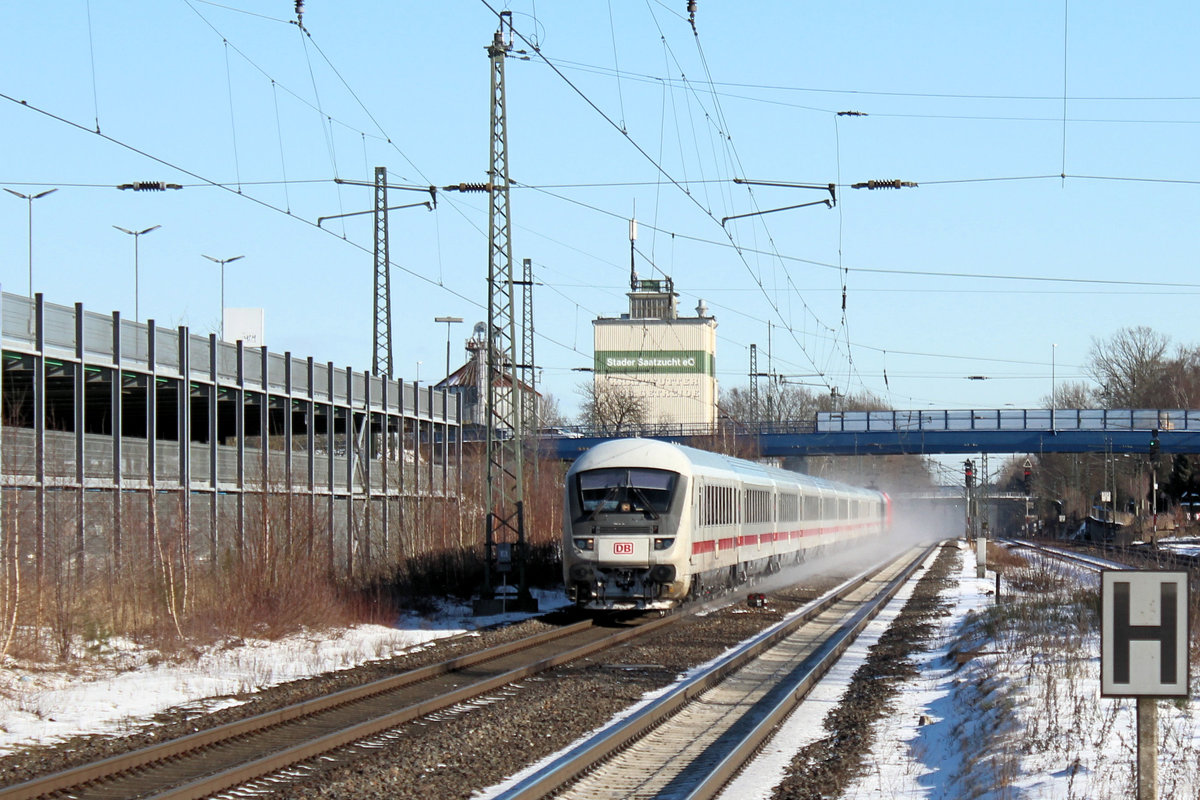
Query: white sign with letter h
pixel 1144 633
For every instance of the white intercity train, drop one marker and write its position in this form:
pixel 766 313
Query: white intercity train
pixel 649 524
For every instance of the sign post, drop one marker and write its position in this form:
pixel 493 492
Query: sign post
pixel 1144 652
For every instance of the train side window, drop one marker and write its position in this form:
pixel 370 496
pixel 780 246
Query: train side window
pixel 789 507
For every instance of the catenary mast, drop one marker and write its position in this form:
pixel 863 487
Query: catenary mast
pixel 505 523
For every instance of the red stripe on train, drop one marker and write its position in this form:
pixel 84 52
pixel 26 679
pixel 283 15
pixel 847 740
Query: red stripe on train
pixel 712 545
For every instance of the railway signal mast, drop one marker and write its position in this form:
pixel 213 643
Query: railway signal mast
pixel 1027 487
pixel 972 502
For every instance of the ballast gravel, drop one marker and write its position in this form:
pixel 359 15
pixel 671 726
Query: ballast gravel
pixel 456 752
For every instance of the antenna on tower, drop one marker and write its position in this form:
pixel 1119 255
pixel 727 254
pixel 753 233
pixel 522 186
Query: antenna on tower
pixel 633 276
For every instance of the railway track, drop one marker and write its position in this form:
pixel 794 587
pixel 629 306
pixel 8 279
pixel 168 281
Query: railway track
pixel 1079 559
pixel 1133 556
pixel 689 742
pixel 213 760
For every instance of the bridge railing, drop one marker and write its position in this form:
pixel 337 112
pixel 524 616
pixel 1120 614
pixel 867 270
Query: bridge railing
pixel 1009 419
pixel 725 427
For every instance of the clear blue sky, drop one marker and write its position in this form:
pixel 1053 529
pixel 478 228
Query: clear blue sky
pixel 984 104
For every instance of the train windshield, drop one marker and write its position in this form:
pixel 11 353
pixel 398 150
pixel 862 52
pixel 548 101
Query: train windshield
pixel 626 490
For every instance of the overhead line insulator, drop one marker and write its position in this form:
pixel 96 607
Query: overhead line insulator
pixel 892 184
pixel 149 186
pixel 469 187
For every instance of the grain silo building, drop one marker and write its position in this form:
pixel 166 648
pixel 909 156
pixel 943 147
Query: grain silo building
pixel 652 353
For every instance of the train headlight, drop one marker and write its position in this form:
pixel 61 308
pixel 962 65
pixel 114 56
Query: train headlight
pixel 663 543
pixel 587 543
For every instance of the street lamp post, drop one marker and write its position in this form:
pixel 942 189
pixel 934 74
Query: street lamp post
pixel 222 262
pixel 1053 388
pixel 136 235
pixel 449 321
pixel 30 198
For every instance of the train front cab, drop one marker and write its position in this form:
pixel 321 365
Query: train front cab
pixel 624 539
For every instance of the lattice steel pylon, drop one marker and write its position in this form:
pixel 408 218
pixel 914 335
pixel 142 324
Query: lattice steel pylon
pixel 505 523
pixel 528 366
pixel 381 362
pixel 754 383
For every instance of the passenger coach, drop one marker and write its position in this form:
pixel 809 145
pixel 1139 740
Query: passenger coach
pixel 648 524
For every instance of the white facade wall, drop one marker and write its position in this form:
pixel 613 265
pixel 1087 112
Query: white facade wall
pixel 669 363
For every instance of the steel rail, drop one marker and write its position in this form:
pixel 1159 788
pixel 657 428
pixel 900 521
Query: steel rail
pixel 602 746
pixel 1087 562
pixel 729 766
pixel 1144 557
pixel 125 763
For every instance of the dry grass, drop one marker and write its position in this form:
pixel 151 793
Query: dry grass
pixel 1039 695
pixel 160 592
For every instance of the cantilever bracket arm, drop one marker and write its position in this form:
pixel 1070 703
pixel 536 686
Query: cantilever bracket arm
pixel 827 203
pixel 402 187
pixel 828 187
pixel 427 205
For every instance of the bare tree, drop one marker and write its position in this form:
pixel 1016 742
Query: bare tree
pixel 1181 387
pixel 611 408
pixel 777 403
pixel 1071 394
pixel 852 402
pixel 550 414
pixel 1130 367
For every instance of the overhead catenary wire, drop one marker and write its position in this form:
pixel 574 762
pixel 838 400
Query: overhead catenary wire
pixel 881 270
pixel 727 142
pixel 223 186
pixel 1056 118
pixel 237 168
pixel 203 181
pixel 207 182
pixel 612 28
pixel 707 180
pixel 92 59
pixel 258 68
pixel 282 157
pixel 1066 6
pixel 1049 98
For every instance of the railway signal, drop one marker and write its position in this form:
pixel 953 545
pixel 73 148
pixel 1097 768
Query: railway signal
pixel 969 472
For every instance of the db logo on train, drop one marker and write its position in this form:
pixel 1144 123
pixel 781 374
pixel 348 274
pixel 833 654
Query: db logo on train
pixel 622 548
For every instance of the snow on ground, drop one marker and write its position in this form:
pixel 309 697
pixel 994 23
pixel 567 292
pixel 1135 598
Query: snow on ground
pixel 1183 545
pixel 804 725
pixel 120 687
pixel 1022 717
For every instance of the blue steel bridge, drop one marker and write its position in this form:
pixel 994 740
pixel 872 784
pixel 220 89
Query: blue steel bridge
pixel 928 432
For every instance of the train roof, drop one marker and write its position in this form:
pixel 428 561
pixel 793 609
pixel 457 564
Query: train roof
pixel 681 458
